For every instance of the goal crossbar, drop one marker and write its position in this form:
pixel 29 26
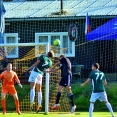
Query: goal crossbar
pixel 22 44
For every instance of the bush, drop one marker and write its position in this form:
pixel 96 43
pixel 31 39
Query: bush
pixel 21 94
pixel 82 97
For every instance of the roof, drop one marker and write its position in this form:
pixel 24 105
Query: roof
pixel 37 9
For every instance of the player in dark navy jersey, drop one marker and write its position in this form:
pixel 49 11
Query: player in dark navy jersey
pixel 66 77
pixel 98 81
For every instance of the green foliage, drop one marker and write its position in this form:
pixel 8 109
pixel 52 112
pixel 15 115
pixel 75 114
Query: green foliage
pixel 21 94
pixel 82 97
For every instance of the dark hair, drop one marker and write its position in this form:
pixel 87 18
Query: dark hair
pixel 96 65
pixel 62 55
pixel 8 63
pixel 51 54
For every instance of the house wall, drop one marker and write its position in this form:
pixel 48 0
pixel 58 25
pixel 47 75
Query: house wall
pixel 86 53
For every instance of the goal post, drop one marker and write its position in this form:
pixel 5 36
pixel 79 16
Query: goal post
pixel 47 87
pixel 28 49
pixel 23 55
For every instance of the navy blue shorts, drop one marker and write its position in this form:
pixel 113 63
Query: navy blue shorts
pixel 66 80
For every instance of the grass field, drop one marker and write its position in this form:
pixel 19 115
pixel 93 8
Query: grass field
pixel 76 114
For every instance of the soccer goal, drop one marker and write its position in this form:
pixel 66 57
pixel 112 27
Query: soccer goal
pixel 23 55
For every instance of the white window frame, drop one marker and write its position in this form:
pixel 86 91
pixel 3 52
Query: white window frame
pixel 16 41
pixel 61 34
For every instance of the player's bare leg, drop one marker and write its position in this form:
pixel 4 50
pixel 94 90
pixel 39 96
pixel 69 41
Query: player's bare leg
pixel 16 103
pixel 32 94
pixel 38 87
pixel 3 101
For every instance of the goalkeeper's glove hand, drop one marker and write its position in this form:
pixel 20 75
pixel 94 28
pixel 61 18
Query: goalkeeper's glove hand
pixel 20 85
pixel 0 84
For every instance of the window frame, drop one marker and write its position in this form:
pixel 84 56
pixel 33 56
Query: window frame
pixel 61 34
pixel 16 41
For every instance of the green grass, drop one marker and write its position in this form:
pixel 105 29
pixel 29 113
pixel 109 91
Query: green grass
pixel 76 114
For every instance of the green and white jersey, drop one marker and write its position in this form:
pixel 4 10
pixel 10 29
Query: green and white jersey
pixel 97 78
pixel 45 63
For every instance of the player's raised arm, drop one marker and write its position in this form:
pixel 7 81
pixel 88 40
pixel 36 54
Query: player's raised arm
pixel 53 68
pixel 35 64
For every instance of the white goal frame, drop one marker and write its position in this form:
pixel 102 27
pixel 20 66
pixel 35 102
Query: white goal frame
pixel 47 74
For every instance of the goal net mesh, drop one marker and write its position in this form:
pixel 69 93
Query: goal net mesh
pixel 24 57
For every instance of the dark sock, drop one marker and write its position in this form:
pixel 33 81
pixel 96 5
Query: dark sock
pixel 71 98
pixel 58 97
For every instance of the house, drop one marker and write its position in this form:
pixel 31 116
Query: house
pixel 37 21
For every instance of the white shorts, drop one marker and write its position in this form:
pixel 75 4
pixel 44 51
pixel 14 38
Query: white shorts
pixel 35 77
pixel 102 96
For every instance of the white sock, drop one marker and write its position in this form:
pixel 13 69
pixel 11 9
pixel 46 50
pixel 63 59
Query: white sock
pixel 91 109
pixel 32 95
pixel 110 108
pixel 39 98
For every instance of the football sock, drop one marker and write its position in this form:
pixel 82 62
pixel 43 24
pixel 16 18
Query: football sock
pixel 3 104
pixel 32 95
pixel 17 104
pixel 71 96
pixel 58 97
pixel 91 109
pixel 110 108
pixel 39 98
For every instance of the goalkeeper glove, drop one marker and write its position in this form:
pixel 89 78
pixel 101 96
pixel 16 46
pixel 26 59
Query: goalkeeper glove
pixel 20 85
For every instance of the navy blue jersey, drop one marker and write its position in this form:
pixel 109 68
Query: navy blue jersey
pixel 65 66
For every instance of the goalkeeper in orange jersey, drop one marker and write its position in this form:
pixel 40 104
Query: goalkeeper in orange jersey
pixel 7 77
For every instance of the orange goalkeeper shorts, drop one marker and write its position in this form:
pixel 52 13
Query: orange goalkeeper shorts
pixel 9 89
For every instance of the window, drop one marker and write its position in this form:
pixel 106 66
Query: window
pixel 66 47
pixel 12 51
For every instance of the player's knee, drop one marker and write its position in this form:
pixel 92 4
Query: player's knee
pixel 59 89
pixel 69 91
pixel 3 97
pixel 15 97
pixel 39 90
pixel 70 94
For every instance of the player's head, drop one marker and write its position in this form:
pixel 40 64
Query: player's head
pixel 9 66
pixel 95 66
pixel 62 56
pixel 50 54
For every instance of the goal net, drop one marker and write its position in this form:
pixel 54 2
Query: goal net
pixel 23 55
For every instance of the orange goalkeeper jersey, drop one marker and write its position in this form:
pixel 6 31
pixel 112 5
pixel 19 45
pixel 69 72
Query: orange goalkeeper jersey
pixel 8 78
